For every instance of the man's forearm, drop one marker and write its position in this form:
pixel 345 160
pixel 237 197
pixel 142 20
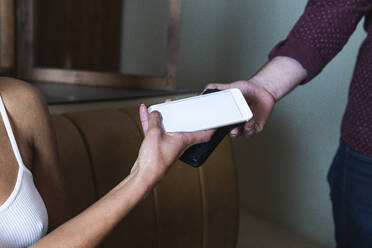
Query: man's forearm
pixel 279 76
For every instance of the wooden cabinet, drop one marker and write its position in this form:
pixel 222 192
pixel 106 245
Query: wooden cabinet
pixel 53 28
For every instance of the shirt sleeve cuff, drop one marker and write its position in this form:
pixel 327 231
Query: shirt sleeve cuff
pixel 307 56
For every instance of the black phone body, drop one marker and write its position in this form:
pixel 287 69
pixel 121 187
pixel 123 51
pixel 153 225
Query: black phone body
pixel 196 155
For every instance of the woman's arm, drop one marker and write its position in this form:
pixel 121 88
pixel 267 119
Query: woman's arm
pixel 90 227
pixel 157 153
pixel 47 172
pixel 31 123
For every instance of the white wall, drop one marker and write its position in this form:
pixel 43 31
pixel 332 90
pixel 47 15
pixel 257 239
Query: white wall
pixel 282 171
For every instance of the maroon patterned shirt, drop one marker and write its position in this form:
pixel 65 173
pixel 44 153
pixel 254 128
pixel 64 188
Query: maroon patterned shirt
pixel 320 33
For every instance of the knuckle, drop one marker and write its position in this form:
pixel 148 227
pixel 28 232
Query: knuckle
pixel 249 131
pixel 259 128
pixel 155 114
pixel 206 138
pixel 153 131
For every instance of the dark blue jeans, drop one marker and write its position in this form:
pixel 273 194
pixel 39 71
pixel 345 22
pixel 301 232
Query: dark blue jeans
pixel 350 180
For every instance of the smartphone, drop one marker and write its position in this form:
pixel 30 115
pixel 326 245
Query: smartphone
pixel 203 112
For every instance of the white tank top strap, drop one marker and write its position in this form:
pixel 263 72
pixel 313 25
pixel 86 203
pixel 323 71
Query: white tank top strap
pixel 10 133
pixel 23 216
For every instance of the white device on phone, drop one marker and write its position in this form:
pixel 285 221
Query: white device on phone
pixel 204 112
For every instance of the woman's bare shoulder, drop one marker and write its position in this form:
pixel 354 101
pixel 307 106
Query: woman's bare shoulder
pixel 15 90
pixel 24 103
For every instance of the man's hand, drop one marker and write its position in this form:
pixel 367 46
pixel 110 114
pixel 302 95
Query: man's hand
pixel 259 100
pixel 272 82
pixel 160 149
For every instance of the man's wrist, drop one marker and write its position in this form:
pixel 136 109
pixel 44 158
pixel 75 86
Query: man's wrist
pixel 259 82
pixel 279 76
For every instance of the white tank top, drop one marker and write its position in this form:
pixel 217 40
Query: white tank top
pixel 23 216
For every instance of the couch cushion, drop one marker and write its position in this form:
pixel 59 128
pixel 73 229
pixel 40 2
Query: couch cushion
pixel 74 158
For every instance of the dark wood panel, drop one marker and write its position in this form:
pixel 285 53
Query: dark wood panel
pixel 82 34
pixel 59 93
pixel 97 78
pixel 173 42
pixel 26 30
pixel 25 37
pixel 7 35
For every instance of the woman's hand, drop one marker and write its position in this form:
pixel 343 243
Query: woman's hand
pixel 259 100
pixel 160 149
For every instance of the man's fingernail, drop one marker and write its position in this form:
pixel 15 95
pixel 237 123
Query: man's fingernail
pixel 249 132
